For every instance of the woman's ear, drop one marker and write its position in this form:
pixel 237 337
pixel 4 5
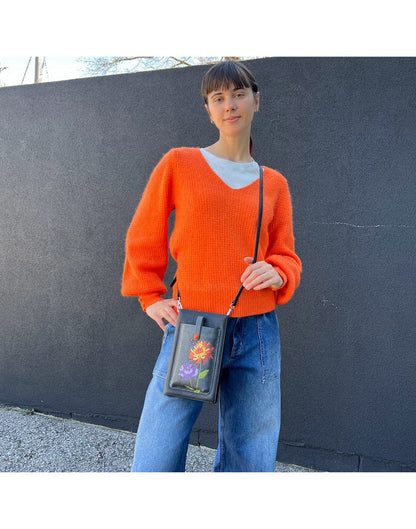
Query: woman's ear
pixel 209 113
pixel 257 98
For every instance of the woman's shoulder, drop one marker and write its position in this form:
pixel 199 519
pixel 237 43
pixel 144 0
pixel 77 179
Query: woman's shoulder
pixel 274 175
pixel 177 156
pixel 183 152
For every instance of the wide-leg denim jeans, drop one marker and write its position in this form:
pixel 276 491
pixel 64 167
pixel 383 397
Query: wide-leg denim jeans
pixel 249 405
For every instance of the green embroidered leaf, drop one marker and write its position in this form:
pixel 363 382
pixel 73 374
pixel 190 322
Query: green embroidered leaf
pixel 203 374
pixel 197 391
pixel 189 387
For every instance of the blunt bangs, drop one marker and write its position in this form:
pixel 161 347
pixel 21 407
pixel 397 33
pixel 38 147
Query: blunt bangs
pixel 225 74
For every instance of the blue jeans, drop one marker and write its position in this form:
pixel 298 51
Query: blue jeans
pixel 249 405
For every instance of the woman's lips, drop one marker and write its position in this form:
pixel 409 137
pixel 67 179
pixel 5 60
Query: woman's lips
pixel 233 119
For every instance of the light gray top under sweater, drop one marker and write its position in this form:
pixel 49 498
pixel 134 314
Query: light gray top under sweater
pixel 236 175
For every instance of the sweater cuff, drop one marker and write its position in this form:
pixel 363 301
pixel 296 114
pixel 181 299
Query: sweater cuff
pixel 282 275
pixel 146 301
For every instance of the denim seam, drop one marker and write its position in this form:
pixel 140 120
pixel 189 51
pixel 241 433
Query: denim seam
pixel 221 437
pixel 159 374
pixel 266 377
pixel 235 350
pixel 261 349
pixel 156 372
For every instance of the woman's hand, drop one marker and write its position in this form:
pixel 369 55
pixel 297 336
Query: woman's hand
pixel 260 275
pixel 166 309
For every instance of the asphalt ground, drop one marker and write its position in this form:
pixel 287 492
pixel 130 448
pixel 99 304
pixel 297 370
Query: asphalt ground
pixel 33 442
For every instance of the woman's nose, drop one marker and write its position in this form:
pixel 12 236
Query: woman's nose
pixel 229 103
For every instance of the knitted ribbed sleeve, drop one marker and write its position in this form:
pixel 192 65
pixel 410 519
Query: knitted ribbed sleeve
pixel 280 253
pixel 147 237
pixel 215 228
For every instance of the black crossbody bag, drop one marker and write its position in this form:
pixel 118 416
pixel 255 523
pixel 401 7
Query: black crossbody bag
pixel 198 344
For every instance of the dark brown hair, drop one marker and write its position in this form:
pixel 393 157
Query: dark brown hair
pixel 225 74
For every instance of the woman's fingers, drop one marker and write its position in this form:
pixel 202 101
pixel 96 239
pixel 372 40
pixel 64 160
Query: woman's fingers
pixel 257 280
pixel 163 310
pixel 259 275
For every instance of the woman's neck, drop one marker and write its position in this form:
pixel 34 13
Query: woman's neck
pixel 234 149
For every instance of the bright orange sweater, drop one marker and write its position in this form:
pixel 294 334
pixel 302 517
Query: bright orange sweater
pixel 215 228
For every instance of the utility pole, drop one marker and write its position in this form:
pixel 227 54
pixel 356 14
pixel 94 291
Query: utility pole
pixel 37 70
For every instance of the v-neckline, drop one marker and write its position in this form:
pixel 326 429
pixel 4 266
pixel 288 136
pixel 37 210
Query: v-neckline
pixel 209 168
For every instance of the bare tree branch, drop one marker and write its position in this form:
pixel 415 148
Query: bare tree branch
pixel 181 61
pixel 122 59
pixel 107 65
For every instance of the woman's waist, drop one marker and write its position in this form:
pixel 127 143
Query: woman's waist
pixel 217 297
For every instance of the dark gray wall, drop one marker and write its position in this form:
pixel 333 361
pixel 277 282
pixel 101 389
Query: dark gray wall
pixel 74 159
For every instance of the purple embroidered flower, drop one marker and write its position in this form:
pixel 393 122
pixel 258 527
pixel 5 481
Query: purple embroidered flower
pixel 188 371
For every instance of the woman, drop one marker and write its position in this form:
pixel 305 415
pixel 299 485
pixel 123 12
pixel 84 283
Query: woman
pixel 214 192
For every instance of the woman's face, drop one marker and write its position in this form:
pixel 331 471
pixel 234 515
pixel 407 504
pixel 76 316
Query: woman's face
pixel 232 110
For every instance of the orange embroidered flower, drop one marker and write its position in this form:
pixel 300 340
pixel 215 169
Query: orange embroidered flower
pixel 201 352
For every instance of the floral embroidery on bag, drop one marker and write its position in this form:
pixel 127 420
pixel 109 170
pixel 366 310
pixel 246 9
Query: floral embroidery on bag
pixel 188 371
pixel 199 355
pixel 201 351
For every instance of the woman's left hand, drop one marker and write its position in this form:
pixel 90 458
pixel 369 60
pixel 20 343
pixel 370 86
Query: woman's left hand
pixel 260 275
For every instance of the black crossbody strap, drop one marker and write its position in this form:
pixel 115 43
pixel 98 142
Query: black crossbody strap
pixel 256 246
